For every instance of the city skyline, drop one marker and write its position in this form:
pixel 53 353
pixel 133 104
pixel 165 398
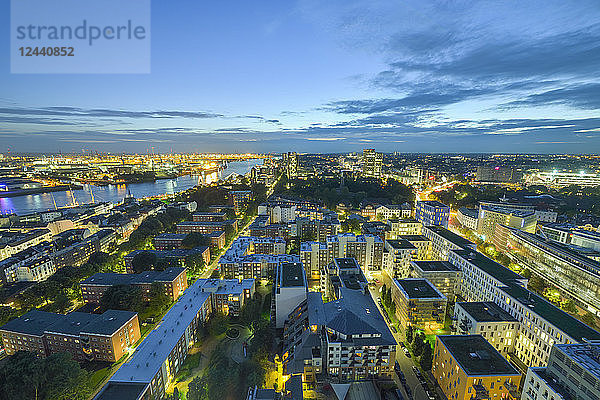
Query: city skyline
pixel 407 77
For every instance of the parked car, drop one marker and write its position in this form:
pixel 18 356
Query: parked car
pixel 393 329
pixel 406 352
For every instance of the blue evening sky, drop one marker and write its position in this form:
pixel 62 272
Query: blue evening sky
pixel 329 76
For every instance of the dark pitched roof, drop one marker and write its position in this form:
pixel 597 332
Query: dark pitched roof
pixel 34 322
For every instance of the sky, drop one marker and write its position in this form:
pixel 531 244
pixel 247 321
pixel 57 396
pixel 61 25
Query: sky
pixel 328 76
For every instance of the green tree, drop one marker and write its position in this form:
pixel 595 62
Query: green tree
pixel 426 360
pixel 409 334
pixel 195 239
pixel 419 344
pixel 122 297
pixel 589 319
pixel 143 261
pixel 159 301
pixel 569 306
pixel 218 324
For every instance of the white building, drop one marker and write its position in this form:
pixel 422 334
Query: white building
pixel 290 290
pixel 541 324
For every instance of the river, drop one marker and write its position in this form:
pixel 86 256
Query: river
pixel 115 193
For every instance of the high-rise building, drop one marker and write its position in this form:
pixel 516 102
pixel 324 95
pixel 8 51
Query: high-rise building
pixel 371 163
pixel 291 165
pixel 418 303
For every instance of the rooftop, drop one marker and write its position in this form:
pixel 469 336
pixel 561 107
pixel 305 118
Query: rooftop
pixel 113 279
pixel 432 203
pixel 416 288
pixel 554 315
pixel 401 244
pixel 435 266
pixel 414 238
pixel 451 236
pixel 34 322
pixel 469 212
pixel 291 274
pixel 149 356
pixel 121 391
pixel 476 356
pixel 486 311
pixel 587 355
pixel 346 263
pixel 498 271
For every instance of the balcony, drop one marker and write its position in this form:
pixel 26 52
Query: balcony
pixel 481 393
pixel 513 389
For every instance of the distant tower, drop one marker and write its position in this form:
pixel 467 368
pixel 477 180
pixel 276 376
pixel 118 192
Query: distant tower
pixel 291 165
pixel 371 163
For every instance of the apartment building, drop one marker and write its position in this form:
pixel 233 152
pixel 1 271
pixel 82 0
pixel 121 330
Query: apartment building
pixel 342 273
pixel 443 241
pixel 206 227
pixel 371 163
pixel 398 254
pixel 367 249
pixel 469 367
pixel 573 372
pixel 441 274
pixel 228 296
pixel 240 199
pixel 399 227
pixel 156 361
pixel 172 280
pixel 468 217
pixel 209 216
pixel 242 262
pixel 290 290
pixel 576 276
pixel 418 303
pixel 487 319
pixel 422 244
pixel 169 241
pixel 176 256
pixel 345 340
pixel 542 213
pixel 12 243
pixel 314 256
pixel 541 324
pixel 432 213
pixel 87 337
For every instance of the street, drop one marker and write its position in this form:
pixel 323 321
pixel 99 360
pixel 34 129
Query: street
pixel 406 364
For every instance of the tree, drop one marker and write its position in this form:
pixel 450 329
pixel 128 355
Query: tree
pixel 536 284
pixel 159 301
pixel 122 297
pixel 195 263
pixel 419 344
pixel 384 295
pixel 589 319
pixel 409 334
pixel 143 261
pixel 569 306
pixel 195 239
pixel 24 376
pixel 426 360
pixel 218 324
pixel 229 232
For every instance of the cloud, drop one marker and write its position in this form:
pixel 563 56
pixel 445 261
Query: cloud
pixel 80 112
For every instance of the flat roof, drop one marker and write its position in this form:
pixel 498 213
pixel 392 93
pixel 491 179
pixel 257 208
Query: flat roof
pixel 476 356
pixel 554 315
pixel 584 354
pixel 400 244
pixel 414 238
pixel 435 266
pixel 417 288
pixel 121 391
pixel 489 266
pixel 450 236
pixel 486 311
pixel 149 356
pixel 292 274
pixel 72 324
pixel 346 263
pixel 432 203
